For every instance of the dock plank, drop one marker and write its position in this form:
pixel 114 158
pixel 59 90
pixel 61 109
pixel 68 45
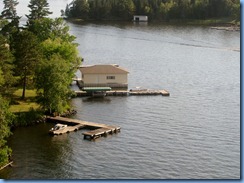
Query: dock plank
pixel 101 129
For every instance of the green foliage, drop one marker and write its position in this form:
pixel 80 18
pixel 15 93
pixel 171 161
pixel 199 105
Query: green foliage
pixel 46 28
pixel 125 9
pixel 6 119
pixel 6 65
pixel 60 62
pixel 27 118
pixel 68 51
pixel 1 77
pixel 99 9
pixel 155 9
pixel 9 10
pixel 27 54
pixel 80 9
pixel 59 29
pixel 43 50
pixel 38 9
pixel 9 13
pixel 52 83
pixel 5 153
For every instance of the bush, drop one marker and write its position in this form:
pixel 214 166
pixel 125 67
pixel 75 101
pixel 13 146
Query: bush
pixel 27 118
pixel 5 153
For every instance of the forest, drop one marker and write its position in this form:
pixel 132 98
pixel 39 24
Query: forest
pixel 37 64
pixel 159 10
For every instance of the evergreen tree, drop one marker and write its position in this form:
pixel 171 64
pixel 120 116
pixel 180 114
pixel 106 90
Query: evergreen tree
pixel 125 9
pixel 9 13
pixel 27 53
pixel 79 9
pixel 9 10
pixel 38 9
pixel 6 65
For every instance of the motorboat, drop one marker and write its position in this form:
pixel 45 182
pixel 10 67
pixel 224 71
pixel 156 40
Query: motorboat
pixel 57 127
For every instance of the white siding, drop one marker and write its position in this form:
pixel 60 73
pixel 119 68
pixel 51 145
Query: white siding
pixel 140 18
pixel 102 79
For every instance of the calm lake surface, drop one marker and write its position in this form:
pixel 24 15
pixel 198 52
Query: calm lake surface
pixel 192 134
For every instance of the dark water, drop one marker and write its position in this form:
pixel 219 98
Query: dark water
pixel 193 134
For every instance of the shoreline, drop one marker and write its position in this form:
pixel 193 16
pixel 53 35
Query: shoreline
pixel 218 24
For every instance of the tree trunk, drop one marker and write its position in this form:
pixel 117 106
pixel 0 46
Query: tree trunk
pixel 24 83
pixel 24 87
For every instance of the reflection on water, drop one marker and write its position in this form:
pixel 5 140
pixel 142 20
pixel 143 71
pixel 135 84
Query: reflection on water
pixel 97 100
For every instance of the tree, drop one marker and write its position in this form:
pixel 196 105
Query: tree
pixel 38 9
pixel 59 29
pixel 9 10
pixel 125 9
pixel 52 83
pixel 100 9
pixel 60 62
pixel 6 65
pixel 46 28
pixel 9 13
pixel 27 53
pixel 5 121
pixel 79 9
pixel 6 118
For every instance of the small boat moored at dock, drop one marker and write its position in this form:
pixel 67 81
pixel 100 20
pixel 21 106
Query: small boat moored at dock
pixel 58 127
pixel 96 130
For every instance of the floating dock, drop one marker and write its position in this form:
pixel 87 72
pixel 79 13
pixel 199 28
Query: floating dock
pixel 126 93
pixel 149 92
pixel 99 129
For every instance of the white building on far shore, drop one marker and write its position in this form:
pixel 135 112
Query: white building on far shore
pixel 140 18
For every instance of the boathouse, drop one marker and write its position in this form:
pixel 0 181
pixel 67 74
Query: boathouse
pixel 112 76
pixel 140 18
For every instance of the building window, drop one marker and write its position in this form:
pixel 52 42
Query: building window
pixel 110 77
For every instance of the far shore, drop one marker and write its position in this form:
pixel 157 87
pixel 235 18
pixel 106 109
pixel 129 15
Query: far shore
pixel 221 22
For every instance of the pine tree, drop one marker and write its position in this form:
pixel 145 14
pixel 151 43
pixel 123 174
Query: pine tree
pixel 6 65
pixel 38 9
pixel 9 11
pixel 27 54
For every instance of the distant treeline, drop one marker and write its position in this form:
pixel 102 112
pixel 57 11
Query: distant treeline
pixel 154 9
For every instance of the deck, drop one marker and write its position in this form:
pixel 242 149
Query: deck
pixel 126 93
pixel 75 124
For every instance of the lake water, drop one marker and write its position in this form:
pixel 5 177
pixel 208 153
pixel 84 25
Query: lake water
pixel 192 134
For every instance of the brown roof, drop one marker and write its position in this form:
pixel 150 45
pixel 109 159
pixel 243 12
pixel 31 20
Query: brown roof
pixel 103 69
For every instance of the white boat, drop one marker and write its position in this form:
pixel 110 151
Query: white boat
pixel 57 127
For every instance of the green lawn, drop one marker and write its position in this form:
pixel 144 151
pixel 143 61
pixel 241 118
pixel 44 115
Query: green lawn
pixel 23 105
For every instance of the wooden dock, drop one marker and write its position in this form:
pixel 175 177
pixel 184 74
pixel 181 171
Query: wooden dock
pixel 67 129
pixel 8 164
pixel 127 93
pixel 149 92
pixel 99 129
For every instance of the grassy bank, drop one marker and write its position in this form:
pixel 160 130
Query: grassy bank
pixel 214 22
pixel 23 105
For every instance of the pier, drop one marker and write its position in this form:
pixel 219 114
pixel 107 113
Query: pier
pixel 8 164
pixel 97 129
pixel 126 93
